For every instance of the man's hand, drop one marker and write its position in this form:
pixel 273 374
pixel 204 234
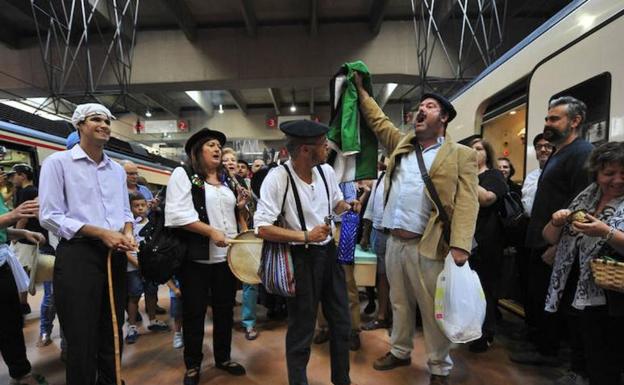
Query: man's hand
pixel 459 256
pixel 34 237
pixel 28 209
pixel 116 240
pixel 356 205
pixel 359 84
pixel 218 238
pixel 319 233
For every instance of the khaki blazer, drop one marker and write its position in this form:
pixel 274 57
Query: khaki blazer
pixel 453 173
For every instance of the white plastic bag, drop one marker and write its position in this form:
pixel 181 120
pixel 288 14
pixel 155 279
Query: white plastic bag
pixel 459 302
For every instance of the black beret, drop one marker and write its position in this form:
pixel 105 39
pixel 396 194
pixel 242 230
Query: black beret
pixel 203 135
pixel 468 140
pixel 303 128
pixel 444 102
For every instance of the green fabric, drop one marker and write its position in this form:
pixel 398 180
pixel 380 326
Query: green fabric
pixel 350 133
pixel 3 232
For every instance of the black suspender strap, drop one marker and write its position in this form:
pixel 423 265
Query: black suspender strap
pixel 320 170
pixel 379 178
pixel 297 200
pixel 446 223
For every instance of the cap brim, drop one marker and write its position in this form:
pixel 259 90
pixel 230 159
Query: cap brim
pixel 202 136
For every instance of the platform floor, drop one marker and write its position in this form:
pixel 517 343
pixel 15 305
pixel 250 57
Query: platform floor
pixel 152 360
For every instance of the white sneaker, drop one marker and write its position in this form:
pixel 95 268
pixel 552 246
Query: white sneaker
pixel 572 378
pixel 178 341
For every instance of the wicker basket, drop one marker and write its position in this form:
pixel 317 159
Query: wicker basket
pixel 608 274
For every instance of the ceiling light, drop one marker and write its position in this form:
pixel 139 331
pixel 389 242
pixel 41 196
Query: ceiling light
pixel 293 108
pixel 221 108
pixel 512 112
pixel 148 114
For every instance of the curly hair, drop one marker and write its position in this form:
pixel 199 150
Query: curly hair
pixel 603 155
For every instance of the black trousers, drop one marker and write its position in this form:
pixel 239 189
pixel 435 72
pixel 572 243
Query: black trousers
pixel 318 278
pixel 197 280
pixel 487 263
pixel 83 307
pixel 12 345
pixel 603 337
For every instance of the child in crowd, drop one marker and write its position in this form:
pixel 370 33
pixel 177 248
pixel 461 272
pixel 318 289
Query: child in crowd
pixel 136 285
pixel 176 312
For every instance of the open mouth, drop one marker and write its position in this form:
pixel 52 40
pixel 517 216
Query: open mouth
pixel 420 117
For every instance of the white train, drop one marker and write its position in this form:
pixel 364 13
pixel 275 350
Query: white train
pixel 578 52
pixel 30 139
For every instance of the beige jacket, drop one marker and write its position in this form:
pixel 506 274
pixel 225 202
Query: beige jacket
pixel 453 173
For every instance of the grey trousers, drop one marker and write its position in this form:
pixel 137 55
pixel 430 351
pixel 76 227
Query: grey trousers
pixel 413 280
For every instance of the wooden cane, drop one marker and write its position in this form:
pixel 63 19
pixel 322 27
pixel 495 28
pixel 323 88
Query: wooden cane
pixel 242 241
pixel 114 318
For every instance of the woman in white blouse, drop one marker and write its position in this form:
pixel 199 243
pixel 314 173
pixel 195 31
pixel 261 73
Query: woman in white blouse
pixel 202 201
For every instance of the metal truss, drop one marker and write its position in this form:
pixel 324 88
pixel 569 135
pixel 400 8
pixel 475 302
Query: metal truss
pixel 481 25
pixel 83 42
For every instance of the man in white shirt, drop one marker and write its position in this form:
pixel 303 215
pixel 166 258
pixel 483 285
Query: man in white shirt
pixel 318 277
pixel 543 150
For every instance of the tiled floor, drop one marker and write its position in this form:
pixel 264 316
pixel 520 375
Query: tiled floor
pixel 152 360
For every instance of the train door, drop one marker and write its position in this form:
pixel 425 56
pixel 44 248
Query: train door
pixel 10 155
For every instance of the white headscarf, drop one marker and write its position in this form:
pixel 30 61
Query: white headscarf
pixel 85 110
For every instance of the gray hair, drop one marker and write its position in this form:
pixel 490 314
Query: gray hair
pixel 574 107
pixel 601 156
pixel 294 143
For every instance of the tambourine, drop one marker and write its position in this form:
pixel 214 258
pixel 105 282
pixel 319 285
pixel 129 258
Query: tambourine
pixel 243 257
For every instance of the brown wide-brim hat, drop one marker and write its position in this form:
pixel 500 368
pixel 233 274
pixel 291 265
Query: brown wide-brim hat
pixel 41 270
pixel 202 136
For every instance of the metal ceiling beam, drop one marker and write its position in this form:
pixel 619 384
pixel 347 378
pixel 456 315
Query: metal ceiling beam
pixel 312 101
pixel 164 102
pixel 107 14
pixel 275 99
pixel 251 22
pixel 384 94
pixel 183 16
pixel 314 23
pixel 238 100
pixel 376 15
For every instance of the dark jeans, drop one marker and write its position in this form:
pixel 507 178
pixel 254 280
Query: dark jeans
pixel 83 307
pixel 603 336
pixel 318 278
pixel 197 280
pixel 12 345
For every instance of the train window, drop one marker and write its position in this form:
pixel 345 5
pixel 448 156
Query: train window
pixel 596 94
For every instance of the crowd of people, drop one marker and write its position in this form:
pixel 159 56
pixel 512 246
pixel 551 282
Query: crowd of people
pixel 433 197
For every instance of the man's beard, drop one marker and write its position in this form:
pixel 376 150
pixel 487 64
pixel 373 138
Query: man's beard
pixel 555 136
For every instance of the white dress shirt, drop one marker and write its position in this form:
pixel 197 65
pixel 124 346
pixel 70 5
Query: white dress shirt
pixel 375 207
pixel 75 191
pixel 408 207
pixel 220 202
pixel 313 199
pixel 529 188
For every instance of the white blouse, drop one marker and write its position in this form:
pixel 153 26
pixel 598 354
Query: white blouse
pixel 220 202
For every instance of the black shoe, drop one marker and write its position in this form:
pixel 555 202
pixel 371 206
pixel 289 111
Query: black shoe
pixel 354 341
pixel 479 346
pixel 233 368
pixel 321 336
pixel 191 377
pixel 376 324
pixel 160 310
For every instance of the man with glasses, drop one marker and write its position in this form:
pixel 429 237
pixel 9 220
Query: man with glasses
pixel 543 150
pixel 132 180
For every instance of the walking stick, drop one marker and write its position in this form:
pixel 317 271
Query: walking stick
pixel 114 318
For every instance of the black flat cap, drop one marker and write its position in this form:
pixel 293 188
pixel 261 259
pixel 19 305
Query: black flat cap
pixel 304 128
pixel 467 141
pixel 22 168
pixel 203 135
pixel 444 102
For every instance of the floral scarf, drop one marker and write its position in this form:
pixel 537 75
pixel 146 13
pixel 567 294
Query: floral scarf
pixel 574 245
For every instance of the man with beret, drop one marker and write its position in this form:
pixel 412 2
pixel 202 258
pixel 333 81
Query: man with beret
pixel 417 246
pixel 84 202
pixel 311 195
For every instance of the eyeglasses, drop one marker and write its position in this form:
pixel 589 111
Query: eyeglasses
pixel 544 147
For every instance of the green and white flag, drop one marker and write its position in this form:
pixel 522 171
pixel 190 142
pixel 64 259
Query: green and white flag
pixel 353 145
